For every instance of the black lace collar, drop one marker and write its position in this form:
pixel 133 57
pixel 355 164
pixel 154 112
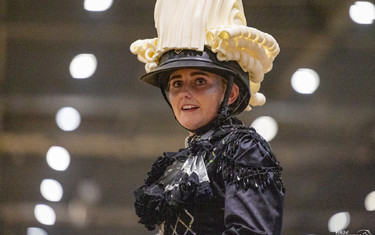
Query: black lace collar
pixel 154 204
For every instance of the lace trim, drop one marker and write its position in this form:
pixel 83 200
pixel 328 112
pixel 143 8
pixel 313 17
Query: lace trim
pixel 250 177
pixel 158 168
pixel 245 176
pixel 154 205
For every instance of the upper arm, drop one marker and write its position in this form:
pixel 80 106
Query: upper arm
pixel 253 188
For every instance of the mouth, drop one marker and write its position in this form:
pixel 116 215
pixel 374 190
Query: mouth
pixel 189 107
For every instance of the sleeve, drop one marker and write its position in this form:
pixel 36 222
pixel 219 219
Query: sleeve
pixel 253 188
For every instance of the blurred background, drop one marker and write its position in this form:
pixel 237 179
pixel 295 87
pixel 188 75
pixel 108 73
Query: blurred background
pixel 79 131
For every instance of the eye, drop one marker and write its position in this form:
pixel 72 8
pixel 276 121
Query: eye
pixel 176 84
pixel 200 81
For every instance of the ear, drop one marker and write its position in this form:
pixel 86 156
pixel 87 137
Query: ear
pixel 233 94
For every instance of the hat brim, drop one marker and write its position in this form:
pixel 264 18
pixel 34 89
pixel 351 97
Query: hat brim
pixel 161 74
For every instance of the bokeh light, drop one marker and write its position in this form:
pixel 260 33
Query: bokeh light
pixel 266 126
pixel 58 158
pixel 51 190
pixel 338 222
pixel 68 119
pixel 83 66
pixel 36 231
pixel 78 212
pixel 89 191
pixel 305 81
pixel 370 201
pixel 97 5
pixel 45 214
pixel 362 12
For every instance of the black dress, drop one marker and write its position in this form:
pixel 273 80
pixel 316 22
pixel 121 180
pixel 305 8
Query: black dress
pixel 226 181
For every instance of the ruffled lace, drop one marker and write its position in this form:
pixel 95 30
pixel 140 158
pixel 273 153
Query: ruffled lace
pixel 154 204
pixel 158 168
pixel 170 188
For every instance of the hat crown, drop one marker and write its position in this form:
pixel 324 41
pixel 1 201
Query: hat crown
pixel 183 24
pixel 220 26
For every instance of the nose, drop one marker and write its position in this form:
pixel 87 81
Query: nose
pixel 185 91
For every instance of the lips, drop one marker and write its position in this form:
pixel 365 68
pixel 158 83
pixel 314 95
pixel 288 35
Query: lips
pixel 189 107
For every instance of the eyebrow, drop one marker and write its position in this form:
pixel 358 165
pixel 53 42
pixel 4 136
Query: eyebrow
pixel 198 73
pixel 175 76
pixel 191 74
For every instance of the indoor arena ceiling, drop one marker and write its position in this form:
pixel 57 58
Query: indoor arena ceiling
pixel 325 143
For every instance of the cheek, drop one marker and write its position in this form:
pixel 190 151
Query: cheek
pixel 216 93
pixel 173 100
pixel 213 99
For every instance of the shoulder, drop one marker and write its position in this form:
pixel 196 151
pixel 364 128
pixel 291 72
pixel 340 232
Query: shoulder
pixel 246 147
pixel 248 161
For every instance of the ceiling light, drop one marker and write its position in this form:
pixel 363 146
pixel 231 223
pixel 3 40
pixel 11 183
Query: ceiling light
pixel 305 81
pixel 45 214
pixel 36 231
pixel 370 201
pixel 58 158
pixel 97 5
pixel 51 190
pixel 338 222
pixel 362 12
pixel 266 126
pixel 83 66
pixel 68 119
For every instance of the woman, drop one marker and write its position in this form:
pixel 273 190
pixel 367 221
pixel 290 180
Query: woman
pixel 226 180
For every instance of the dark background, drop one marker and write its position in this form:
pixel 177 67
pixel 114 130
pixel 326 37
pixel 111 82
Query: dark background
pixel 325 142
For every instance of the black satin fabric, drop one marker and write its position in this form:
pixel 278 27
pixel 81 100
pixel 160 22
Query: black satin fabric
pixel 245 187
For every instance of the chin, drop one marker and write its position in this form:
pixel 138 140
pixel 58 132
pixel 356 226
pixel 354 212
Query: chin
pixel 192 125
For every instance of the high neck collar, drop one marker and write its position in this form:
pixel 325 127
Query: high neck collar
pixel 214 129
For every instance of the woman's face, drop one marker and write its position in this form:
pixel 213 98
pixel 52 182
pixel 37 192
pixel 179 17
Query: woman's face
pixel 195 96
